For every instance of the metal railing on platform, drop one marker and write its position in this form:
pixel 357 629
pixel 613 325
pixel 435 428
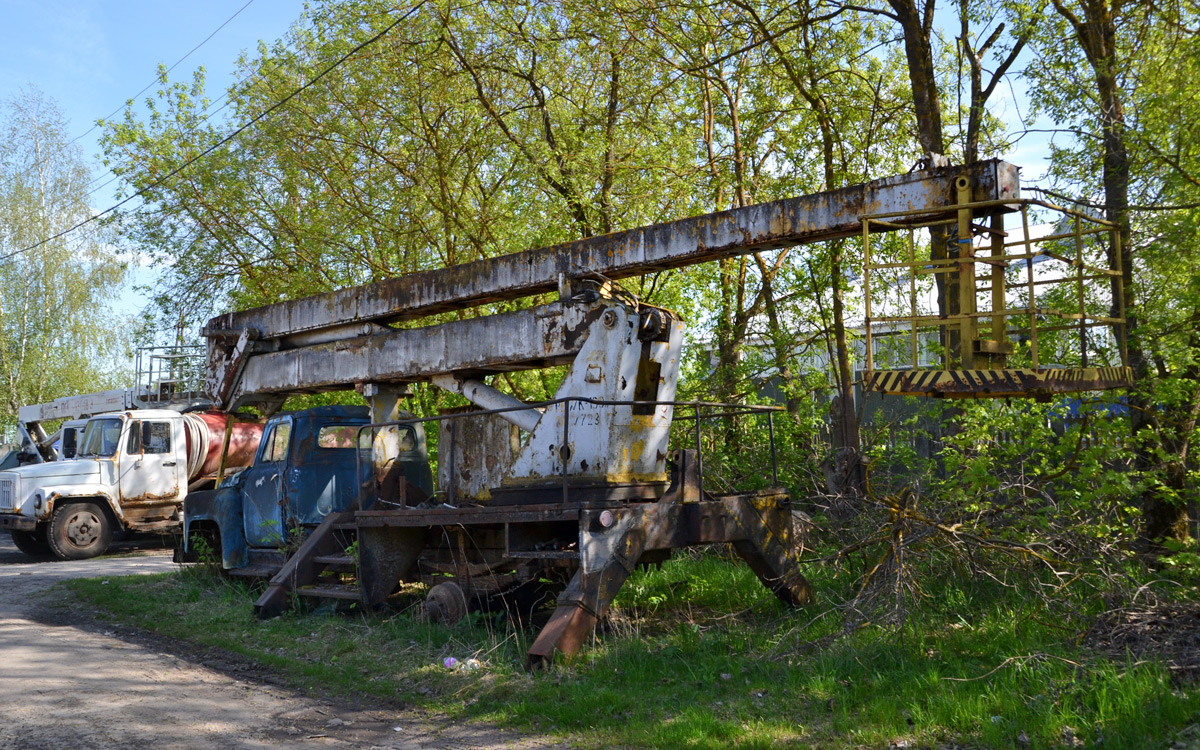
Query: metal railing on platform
pixel 701 412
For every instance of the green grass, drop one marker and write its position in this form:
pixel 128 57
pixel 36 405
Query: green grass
pixel 700 655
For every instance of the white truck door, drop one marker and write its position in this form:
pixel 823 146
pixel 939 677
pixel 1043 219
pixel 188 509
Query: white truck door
pixel 150 487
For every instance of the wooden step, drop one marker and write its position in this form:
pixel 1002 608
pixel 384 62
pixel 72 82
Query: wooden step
pixel 330 592
pixel 334 560
pixel 260 570
pixel 276 557
pixel 300 570
pixel 337 563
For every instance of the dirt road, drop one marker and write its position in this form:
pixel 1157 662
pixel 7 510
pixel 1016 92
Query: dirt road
pixel 67 685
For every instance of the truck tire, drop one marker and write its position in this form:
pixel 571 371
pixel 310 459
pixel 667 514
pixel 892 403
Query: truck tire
pixel 32 543
pixel 446 603
pixel 204 547
pixel 79 530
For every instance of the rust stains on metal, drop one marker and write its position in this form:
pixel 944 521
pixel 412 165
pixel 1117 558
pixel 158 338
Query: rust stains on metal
pixel 147 510
pixel 484 447
pixel 822 216
pixel 534 337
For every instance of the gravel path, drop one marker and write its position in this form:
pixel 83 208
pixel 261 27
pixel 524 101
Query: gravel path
pixel 66 684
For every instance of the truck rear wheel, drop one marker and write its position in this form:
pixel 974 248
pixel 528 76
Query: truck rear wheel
pixel 79 531
pixel 32 543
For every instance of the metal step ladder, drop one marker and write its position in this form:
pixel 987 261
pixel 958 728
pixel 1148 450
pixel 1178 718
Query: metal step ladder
pixel 315 570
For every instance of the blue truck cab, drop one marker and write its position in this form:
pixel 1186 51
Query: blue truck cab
pixel 307 466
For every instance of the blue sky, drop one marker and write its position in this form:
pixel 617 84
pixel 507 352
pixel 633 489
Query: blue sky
pixel 91 56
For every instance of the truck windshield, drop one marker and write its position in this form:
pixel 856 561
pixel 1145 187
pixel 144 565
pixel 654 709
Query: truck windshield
pixel 101 437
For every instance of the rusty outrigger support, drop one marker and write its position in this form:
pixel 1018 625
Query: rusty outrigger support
pixel 758 525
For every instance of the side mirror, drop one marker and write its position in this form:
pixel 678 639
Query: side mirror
pixel 145 435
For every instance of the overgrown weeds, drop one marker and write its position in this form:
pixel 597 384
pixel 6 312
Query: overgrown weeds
pixel 985 591
pixel 699 654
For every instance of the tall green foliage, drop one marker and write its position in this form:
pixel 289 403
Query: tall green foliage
pixel 467 132
pixel 57 334
pixel 476 129
pixel 1126 107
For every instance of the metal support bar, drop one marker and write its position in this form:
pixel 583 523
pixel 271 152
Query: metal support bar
pixel 1033 339
pixel 866 247
pixel 1079 292
pixel 224 451
pixel 487 397
pixel 999 299
pixel 564 452
pixel 450 489
pixel 828 215
pixel 965 277
pixel 534 337
pixel 912 296
pixel 774 457
pixel 1122 333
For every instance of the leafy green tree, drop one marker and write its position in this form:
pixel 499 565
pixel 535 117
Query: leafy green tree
pixel 1119 80
pixel 438 144
pixel 57 334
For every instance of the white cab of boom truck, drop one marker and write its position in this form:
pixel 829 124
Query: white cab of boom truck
pixel 131 472
pixel 72 506
pixel 123 460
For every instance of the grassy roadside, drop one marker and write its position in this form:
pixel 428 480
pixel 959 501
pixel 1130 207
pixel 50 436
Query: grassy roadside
pixel 699 655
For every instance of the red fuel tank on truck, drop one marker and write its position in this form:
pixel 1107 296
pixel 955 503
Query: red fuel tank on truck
pixel 205 432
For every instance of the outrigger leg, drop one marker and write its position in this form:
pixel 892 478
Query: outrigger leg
pixel 612 541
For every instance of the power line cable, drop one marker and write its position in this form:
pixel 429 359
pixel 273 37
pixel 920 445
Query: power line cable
pixel 224 140
pixel 146 88
pixel 195 129
pixel 259 73
pixel 211 112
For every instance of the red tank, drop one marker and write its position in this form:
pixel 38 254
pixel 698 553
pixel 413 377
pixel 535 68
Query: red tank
pixel 205 432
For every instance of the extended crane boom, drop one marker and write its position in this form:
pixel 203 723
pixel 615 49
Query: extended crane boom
pixel 359 313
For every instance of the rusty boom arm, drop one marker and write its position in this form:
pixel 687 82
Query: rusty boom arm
pixel 332 340
pixel 611 453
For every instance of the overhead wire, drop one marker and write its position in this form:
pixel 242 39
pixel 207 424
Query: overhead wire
pixel 175 64
pixel 223 100
pixel 195 129
pixel 39 162
pixel 223 141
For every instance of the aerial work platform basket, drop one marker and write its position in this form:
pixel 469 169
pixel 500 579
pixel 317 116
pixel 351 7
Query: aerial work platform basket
pixel 955 308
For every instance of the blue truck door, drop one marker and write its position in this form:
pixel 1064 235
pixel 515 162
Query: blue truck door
pixel 264 488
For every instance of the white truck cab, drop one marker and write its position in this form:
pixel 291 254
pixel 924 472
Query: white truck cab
pixel 70 436
pixel 131 471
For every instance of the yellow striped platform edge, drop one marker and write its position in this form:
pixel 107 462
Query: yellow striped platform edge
pixel 997 383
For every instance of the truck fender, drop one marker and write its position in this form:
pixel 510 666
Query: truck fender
pixel 44 503
pixel 221 508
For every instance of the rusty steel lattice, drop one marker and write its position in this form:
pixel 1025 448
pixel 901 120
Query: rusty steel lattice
pixel 1032 323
